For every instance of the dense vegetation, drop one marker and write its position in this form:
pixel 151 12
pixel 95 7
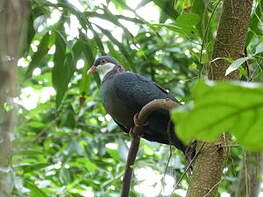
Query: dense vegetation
pixel 65 144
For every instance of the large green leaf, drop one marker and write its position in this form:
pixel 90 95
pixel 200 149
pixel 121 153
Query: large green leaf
pixel 63 68
pixel 223 107
pixel 39 55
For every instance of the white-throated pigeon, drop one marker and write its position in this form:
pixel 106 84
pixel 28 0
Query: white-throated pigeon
pixel 125 93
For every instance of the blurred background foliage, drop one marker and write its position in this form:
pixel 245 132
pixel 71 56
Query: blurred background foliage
pixel 65 143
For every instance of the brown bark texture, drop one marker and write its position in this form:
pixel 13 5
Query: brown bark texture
pixel 12 22
pixel 250 175
pixel 230 42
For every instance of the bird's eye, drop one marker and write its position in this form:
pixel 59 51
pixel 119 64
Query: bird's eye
pixel 103 61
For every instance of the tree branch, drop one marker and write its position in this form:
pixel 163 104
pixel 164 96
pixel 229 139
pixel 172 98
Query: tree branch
pixel 139 120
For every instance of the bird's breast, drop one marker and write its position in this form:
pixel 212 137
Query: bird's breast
pixel 116 107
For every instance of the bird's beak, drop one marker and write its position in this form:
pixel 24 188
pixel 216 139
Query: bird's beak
pixel 92 69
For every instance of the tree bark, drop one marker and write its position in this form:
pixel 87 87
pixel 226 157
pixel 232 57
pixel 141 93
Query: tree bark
pixel 230 42
pixel 13 15
pixel 250 175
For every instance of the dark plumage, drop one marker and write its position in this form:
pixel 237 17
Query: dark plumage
pixel 125 93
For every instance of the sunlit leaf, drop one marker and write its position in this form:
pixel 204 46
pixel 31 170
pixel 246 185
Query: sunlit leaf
pixel 223 107
pixel 114 154
pixel 236 64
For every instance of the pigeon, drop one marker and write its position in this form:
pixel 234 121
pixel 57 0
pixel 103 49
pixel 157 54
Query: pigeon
pixel 123 94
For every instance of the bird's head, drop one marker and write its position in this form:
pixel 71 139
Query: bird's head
pixel 103 65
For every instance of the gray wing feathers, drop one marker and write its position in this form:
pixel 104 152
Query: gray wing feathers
pixel 137 90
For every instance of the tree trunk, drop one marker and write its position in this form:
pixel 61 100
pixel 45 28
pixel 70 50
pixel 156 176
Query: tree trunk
pixel 12 22
pixel 230 43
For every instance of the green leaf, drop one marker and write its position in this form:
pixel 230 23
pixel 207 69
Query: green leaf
pixel 39 55
pixel 114 154
pixel 236 64
pixel 69 120
pixel 188 19
pixel 256 19
pixel 63 68
pixel 30 33
pixel 217 108
pixel 35 191
pixel 91 167
pixel 77 50
pixel 259 48
pixel 89 53
pixel 125 51
pixel 64 176
pixel 184 24
pixel 168 26
pixel 36 166
pixel 167 7
pixel 142 3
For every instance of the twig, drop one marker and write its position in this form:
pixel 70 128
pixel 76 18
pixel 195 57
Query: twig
pixel 139 121
pixel 212 188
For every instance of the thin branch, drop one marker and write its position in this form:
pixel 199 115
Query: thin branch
pixel 140 120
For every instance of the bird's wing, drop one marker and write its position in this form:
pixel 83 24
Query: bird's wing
pixel 122 127
pixel 136 90
pixel 158 86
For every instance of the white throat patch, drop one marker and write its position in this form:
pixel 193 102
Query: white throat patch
pixel 104 69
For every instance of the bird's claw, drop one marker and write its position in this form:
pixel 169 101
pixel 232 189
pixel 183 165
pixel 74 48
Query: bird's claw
pixel 135 134
pixel 137 121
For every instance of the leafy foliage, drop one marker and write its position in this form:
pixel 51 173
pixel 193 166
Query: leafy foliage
pixel 65 143
pixel 235 108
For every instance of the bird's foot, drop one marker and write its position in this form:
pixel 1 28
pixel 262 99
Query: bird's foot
pixel 136 131
pixel 137 121
pixel 133 133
